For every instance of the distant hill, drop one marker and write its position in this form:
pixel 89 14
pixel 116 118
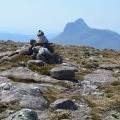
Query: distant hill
pixel 16 37
pixel 22 37
pixel 79 33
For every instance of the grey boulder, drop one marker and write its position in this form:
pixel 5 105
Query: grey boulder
pixel 63 73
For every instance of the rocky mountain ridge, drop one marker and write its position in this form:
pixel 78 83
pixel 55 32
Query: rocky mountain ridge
pixel 79 33
pixel 85 86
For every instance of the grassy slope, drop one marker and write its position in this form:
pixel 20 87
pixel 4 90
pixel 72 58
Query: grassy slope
pixel 76 55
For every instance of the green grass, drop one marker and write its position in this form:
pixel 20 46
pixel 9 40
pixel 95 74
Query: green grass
pixel 116 103
pixel 109 53
pixel 14 62
pixel 95 116
pixel 52 94
pixel 19 58
pixel 113 94
pixel 59 115
pixel 63 115
pixel 44 70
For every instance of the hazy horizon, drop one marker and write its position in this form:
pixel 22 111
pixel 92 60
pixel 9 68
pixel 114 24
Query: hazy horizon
pixel 27 16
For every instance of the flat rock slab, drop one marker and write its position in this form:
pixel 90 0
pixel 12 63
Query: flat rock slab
pixel 92 81
pixel 100 76
pixel 63 73
pixel 26 74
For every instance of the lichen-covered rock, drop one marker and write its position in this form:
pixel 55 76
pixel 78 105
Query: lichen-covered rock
pixel 25 95
pixel 24 114
pixel 64 104
pixel 100 77
pixel 63 73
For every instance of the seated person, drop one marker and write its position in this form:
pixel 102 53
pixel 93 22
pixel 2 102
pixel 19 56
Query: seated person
pixel 44 41
pixel 41 36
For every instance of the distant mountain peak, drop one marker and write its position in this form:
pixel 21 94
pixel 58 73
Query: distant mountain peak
pixel 79 33
pixel 80 21
pixel 76 27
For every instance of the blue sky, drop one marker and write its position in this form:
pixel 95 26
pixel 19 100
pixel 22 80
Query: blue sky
pixel 27 16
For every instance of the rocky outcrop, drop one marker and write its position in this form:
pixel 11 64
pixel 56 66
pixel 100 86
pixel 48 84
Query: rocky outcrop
pixel 63 73
pixel 25 95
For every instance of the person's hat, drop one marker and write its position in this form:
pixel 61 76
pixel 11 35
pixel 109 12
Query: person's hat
pixel 41 32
